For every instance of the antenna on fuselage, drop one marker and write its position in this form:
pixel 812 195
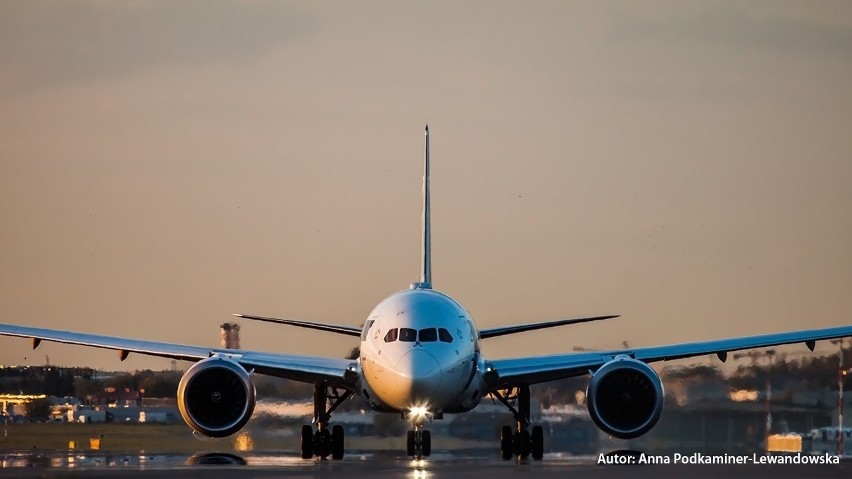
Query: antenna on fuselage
pixel 426 259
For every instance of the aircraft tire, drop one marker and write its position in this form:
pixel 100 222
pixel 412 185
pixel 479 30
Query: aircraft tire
pixel 307 441
pixel 506 446
pixel 537 443
pixel 410 443
pixel 425 444
pixel 337 442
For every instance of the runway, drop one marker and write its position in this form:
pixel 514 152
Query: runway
pixel 26 464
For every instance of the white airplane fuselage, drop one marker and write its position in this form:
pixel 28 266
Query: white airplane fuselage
pixel 420 351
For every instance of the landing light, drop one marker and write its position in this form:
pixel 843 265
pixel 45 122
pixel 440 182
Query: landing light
pixel 418 412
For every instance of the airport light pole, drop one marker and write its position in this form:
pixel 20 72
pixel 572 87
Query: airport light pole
pixel 840 445
pixel 841 375
pixel 771 355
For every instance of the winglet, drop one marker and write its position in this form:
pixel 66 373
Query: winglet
pixel 426 257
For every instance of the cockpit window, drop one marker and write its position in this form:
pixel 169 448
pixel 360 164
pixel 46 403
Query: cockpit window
pixel 366 329
pixel 428 335
pixel 407 335
pixel 392 335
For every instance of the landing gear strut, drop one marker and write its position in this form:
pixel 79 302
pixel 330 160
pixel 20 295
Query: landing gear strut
pixel 519 442
pixel 418 443
pixel 322 442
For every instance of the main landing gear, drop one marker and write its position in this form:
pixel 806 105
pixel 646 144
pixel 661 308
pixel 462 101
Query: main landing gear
pixel 418 443
pixel 520 442
pixel 322 443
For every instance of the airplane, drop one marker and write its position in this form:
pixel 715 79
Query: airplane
pixel 420 357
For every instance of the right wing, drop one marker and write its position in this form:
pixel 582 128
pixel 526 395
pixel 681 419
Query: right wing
pixel 333 328
pixel 531 370
pixel 311 369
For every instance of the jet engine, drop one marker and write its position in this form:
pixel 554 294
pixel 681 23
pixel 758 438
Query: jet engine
pixel 216 397
pixel 625 397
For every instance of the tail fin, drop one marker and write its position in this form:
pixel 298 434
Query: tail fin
pixel 426 259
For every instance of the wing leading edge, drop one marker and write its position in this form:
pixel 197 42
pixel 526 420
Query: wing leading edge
pixel 290 366
pixel 531 370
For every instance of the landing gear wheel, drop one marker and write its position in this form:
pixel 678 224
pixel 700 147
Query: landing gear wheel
pixel 323 442
pixel 410 443
pixel 307 442
pixel 337 442
pixel 506 443
pixel 418 443
pixel 425 443
pixel 537 443
pixel 522 444
pixel 518 441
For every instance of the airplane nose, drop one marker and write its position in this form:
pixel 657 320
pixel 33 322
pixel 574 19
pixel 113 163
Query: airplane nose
pixel 418 374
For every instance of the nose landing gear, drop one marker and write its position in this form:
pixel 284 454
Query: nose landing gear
pixel 418 443
pixel 519 442
pixel 323 443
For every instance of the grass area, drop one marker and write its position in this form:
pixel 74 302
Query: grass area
pixel 178 438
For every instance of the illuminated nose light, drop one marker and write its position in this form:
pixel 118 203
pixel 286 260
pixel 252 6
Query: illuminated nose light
pixel 419 411
pixel 418 414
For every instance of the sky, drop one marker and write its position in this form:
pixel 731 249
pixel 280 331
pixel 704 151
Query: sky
pixel 165 164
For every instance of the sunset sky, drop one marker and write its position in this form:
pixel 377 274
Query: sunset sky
pixel 165 164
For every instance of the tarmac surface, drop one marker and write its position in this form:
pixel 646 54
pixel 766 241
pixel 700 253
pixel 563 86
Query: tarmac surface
pixel 47 464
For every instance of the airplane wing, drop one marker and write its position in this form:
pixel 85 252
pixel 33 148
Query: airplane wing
pixel 520 328
pixel 333 328
pixel 340 372
pixel 503 373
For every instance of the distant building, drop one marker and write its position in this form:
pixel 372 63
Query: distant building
pixel 85 415
pixel 159 415
pixel 13 405
pixel 119 397
pixel 59 408
pixel 847 411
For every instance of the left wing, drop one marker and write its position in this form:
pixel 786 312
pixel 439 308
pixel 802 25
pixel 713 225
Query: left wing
pixel 340 372
pixel 531 370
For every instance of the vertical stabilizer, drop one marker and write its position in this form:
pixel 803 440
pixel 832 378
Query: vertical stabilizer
pixel 426 259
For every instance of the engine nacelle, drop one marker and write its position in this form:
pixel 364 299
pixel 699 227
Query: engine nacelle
pixel 625 397
pixel 216 397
